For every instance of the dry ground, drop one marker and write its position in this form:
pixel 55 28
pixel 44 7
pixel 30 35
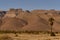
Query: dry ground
pixel 31 36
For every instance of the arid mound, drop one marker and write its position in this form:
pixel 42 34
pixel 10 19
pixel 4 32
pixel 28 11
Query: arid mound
pixel 14 24
pixel 35 20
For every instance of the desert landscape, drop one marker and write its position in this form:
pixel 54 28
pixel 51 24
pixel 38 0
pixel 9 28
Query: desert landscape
pixel 41 36
pixel 34 20
pixel 19 24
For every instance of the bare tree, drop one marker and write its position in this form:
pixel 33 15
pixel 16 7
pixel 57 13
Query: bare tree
pixel 51 20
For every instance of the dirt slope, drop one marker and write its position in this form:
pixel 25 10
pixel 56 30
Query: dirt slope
pixel 35 20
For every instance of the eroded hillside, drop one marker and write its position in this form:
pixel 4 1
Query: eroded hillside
pixel 35 20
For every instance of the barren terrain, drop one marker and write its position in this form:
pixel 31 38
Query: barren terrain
pixel 34 20
pixel 31 36
pixel 17 20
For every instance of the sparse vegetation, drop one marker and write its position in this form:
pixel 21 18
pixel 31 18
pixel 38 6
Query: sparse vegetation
pixel 5 37
pixel 51 20
pixel 32 22
pixel 28 32
pixel 28 37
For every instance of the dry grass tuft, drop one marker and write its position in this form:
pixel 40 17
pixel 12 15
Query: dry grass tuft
pixel 5 37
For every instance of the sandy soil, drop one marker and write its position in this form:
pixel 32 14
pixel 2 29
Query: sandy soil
pixel 33 36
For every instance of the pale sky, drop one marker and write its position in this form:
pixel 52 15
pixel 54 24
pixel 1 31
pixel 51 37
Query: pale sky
pixel 30 4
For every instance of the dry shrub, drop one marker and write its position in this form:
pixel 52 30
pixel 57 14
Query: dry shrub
pixel 5 37
pixel 53 34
